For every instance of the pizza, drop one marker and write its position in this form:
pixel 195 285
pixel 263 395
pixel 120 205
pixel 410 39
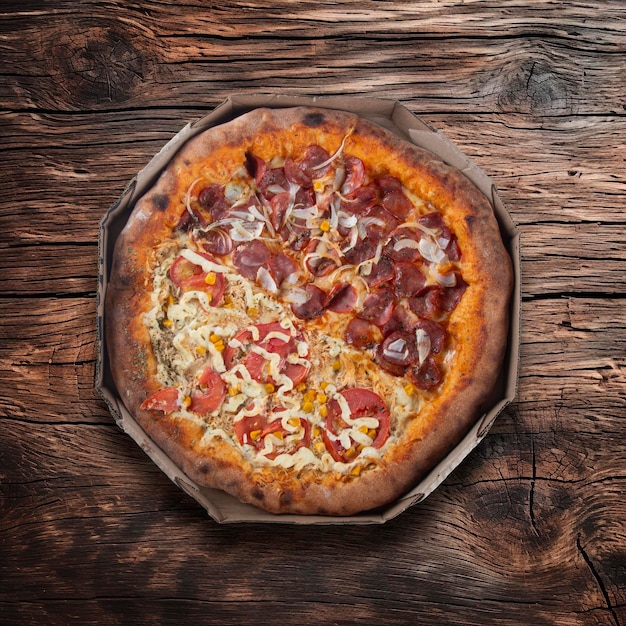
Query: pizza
pixel 307 311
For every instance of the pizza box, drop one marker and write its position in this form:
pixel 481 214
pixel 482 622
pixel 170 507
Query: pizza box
pixel 392 115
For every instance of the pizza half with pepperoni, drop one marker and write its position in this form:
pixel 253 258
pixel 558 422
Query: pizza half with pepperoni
pixel 307 311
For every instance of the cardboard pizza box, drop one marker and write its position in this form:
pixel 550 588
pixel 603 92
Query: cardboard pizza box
pixel 395 117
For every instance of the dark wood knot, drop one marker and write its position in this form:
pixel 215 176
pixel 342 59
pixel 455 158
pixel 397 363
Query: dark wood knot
pixel 103 64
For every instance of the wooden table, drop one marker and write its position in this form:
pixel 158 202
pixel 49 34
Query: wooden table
pixel 530 529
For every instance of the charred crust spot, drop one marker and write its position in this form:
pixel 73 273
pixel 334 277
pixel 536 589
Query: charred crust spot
pixel 258 493
pixel 286 498
pixel 313 119
pixel 160 201
pixel 470 221
pixel 205 468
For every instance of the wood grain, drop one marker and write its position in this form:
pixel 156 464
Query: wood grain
pixel 530 529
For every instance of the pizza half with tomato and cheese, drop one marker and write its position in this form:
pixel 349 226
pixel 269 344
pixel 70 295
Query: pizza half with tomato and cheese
pixel 307 311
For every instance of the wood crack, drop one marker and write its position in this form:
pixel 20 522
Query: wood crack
pixel 598 579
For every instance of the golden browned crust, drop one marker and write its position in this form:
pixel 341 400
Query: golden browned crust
pixel 479 324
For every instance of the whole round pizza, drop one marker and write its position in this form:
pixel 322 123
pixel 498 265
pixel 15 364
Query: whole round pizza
pixel 307 311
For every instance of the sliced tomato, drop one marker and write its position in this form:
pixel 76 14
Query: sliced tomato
pixel 253 429
pixel 191 277
pixel 210 396
pixel 256 364
pixel 165 400
pixel 362 403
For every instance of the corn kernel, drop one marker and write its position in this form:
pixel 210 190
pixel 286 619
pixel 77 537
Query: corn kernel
pixel 278 434
pixel 209 279
pixel 209 297
pixel 355 471
pixel 253 312
pixel 219 346
pixel 294 421
pixel 371 433
pixel 201 350
pixel 364 429
pixel 316 431
pixel 323 410
pixel 319 186
pixel 307 407
pixel 336 365
pixel 301 387
pixel 324 385
pixel 325 226
pixel 167 323
pixel 309 396
pixel 170 300
pixel 350 452
pixel 320 448
pixel 227 305
pixel 232 391
pixel 187 401
pixel 269 388
pixel 321 398
pixel 409 389
pixel 213 338
pixel 255 434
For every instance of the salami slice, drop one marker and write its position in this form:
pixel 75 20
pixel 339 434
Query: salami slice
pixel 362 334
pixel 314 307
pixel 378 307
pixel 408 280
pixel 249 257
pixel 342 298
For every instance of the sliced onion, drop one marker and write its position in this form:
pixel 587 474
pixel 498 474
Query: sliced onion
pixel 274 189
pixel 401 244
pixel 354 238
pixel 430 251
pixel 346 220
pixel 246 231
pixel 233 192
pixel 328 161
pixel 364 222
pixel 443 242
pixel 334 214
pixel 242 215
pixel 445 280
pixel 423 344
pixel 306 214
pixel 262 217
pixel 296 295
pixel 266 280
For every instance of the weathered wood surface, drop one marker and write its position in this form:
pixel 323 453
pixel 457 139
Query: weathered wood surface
pixel 530 529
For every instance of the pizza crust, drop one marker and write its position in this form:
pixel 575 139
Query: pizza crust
pixel 478 325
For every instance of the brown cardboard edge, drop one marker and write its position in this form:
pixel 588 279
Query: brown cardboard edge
pixel 390 114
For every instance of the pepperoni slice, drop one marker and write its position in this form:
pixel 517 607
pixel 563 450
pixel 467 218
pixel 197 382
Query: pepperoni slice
pixel 453 251
pixel 402 245
pixel 191 277
pixel 397 352
pixel 401 319
pixel 211 394
pixel 381 223
pixel 271 180
pixel 249 257
pixel 363 250
pixel 253 429
pixel 408 280
pixel 378 307
pixel 255 166
pixel 435 332
pixel 212 198
pixel 320 259
pixel 314 307
pixel 217 241
pixel 427 303
pixel 361 403
pixel 278 207
pixel 397 204
pixel 433 221
pixel 380 273
pixel 388 183
pixel 342 298
pixel 282 268
pixel 426 376
pixel 362 334
pixel 165 400
pixel 313 158
pixel 355 175
pixel 360 200
pixel 451 296
pixel 295 174
pixel 189 220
